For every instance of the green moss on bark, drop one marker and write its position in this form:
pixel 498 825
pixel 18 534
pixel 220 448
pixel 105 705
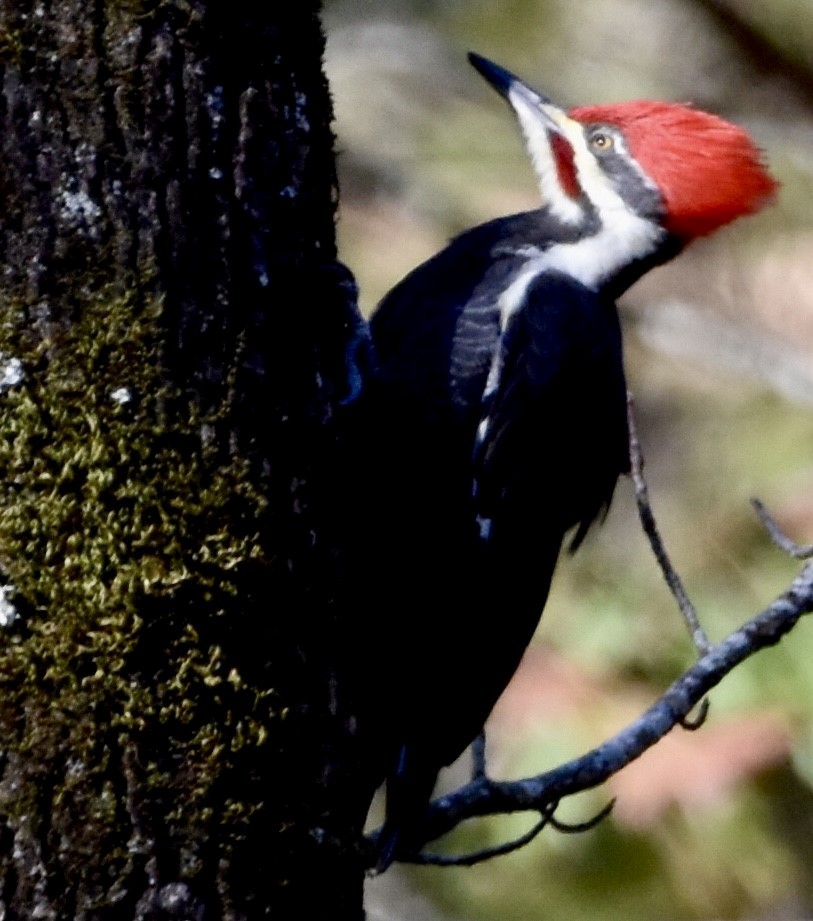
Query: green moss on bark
pixel 130 549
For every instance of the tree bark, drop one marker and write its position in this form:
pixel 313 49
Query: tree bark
pixel 177 341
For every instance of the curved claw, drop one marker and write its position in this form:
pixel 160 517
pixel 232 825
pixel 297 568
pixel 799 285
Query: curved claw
pixel 692 723
pixel 579 827
pixel 546 819
pixel 468 860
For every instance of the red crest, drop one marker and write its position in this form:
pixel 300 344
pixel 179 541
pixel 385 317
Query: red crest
pixel 709 170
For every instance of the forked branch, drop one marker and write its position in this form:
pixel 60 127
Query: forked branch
pixel 541 794
pixel 483 796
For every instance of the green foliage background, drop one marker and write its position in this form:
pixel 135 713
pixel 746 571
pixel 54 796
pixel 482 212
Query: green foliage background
pixel 720 357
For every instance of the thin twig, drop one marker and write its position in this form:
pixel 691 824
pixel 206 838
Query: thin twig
pixel 469 860
pixel 650 527
pixel 778 536
pixel 478 756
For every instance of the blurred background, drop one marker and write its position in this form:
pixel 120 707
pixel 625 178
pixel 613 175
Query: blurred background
pixel 719 347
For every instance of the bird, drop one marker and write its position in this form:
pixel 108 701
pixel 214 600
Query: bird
pixel 500 407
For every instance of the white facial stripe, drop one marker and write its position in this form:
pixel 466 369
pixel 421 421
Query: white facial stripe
pixel 594 181
pixel 538 144
pixel 592 178
pixel 623 238
pixel 624 235
pixel 621 146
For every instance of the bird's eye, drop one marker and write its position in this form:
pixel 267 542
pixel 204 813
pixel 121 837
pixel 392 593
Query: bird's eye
pixel 601 142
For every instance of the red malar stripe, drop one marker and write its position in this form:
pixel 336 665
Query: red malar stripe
pixel 565 165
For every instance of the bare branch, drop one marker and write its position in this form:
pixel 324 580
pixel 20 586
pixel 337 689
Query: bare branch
pixel 778 536
pixel 650 527
pixel 488 797
pixel 542 794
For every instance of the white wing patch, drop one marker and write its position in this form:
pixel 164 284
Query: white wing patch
pixel 622 238
pixel 511 299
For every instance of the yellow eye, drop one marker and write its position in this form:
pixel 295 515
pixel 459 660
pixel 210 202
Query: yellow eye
pixel 601 142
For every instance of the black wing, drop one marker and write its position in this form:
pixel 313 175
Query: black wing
pixel 553 439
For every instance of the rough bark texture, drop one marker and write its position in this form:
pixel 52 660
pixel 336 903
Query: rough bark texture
pixel 175 340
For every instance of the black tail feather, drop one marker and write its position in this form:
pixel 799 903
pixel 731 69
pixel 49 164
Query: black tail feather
pixel 409 788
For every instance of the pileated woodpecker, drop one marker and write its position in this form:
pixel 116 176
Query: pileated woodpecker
pixel 501 405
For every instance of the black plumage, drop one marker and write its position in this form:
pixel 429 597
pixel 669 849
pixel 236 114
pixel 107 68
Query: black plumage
pixel 473 513
pixel 496 423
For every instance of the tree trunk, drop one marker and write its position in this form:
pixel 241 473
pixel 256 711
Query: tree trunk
pixel 176 345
